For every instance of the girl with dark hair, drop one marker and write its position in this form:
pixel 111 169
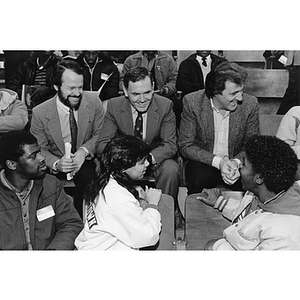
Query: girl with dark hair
pixel 115 219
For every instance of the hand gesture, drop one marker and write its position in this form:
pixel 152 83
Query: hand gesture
pixel 152 195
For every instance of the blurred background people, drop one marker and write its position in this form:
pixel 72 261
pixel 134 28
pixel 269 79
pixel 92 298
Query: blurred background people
pixel 99 72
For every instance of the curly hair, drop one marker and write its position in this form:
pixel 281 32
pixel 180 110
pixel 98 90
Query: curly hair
pixel 121 153
pixel 274 160
pixel 226 71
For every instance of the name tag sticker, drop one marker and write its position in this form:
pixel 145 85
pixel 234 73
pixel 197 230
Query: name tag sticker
pixel 104 76
pixel 45 213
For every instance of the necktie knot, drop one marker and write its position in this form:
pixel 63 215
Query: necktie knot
pixel 204 63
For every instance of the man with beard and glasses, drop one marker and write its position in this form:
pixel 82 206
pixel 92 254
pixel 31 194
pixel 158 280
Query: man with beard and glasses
pixel 150 117
pixel 36 213
pixel 70 116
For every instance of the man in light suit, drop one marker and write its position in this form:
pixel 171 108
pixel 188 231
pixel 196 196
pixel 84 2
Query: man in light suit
pixel 215 125
pixel 50 125
pixel 158 126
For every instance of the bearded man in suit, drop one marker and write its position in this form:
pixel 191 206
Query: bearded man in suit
pixel 53 125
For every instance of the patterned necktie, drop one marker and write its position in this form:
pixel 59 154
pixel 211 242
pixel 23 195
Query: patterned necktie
pixel 138 127
pixel 73 129
pixel 204 63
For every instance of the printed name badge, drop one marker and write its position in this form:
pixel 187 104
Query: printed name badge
pixel 104 76
pixel 45 213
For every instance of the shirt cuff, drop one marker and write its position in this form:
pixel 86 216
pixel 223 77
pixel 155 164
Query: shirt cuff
pixel 216 162
pixel 54 166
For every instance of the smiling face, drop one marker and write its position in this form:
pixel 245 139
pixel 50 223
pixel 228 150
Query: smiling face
pixel 31 165
pixel 228 99
pixel 70 91
pixel 140 94
pixel 247 175
pixel 138 171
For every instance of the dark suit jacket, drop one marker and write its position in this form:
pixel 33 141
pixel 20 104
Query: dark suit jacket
pixel 45 126
pixel 196 138
pixel 190 77
pixel 160 130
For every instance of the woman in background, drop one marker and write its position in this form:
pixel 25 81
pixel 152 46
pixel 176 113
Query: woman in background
pixel 115 219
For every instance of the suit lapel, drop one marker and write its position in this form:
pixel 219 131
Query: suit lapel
pixel 126 117
pixel 83 120
pixel 54 125
pixel 206 117
pixel 152 121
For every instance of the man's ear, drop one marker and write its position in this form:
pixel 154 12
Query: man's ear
pixel 11 164
pixel 258 179
pixel 125 90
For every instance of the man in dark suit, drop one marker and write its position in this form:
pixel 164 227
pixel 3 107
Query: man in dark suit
pixel 216 123
pixel 53 126
pixel 193 71
pixel 158 127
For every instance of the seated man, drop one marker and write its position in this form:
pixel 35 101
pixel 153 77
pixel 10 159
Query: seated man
pixel 268 216
pixel 36 213
pixel 100 73
pixel 13 113
pixel 215 124
pixel 36 71
pixel 148 116
pixel 73 117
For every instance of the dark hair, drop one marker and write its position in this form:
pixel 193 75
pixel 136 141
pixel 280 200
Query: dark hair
pixel 121 153
pixel 65 64
pixel 12 145
pixel 226 71
pixel 136 74
pixel 274 160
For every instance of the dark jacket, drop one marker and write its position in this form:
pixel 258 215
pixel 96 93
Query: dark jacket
pixel 54 233
pixel 94 79
pixel 26 72
pixel 190 77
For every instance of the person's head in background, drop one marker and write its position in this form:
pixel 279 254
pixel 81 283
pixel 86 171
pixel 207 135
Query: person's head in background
pixel 90 57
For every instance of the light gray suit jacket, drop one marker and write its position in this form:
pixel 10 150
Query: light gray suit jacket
pixel 196 138
pixel 160 131
pixel 45 126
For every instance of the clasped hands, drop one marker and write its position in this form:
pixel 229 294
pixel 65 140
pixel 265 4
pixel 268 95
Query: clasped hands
pixel 229 170
pixel 73 164
pixel 150 195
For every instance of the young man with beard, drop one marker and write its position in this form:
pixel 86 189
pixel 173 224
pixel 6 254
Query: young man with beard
pixel 268 216
pixel 35 213
pixel 215 124
pixel 53 125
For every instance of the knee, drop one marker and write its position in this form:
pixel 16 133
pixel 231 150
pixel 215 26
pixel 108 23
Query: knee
pixel 170 168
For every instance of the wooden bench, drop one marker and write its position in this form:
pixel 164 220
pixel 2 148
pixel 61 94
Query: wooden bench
pixel 268 86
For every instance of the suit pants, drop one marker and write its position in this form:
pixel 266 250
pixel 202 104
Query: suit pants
pixel 81 179
pixel 167 178
pixel 199 176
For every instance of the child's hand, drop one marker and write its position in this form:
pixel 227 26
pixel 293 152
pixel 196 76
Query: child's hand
pixel 209 196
